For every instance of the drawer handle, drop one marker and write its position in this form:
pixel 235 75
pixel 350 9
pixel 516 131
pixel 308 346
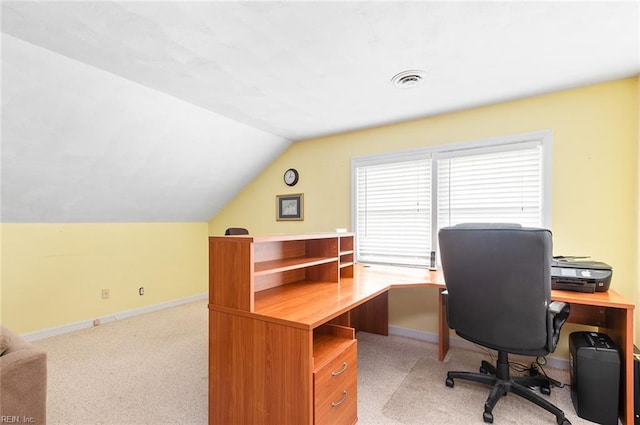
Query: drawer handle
pixel 338 403
pixel 344 367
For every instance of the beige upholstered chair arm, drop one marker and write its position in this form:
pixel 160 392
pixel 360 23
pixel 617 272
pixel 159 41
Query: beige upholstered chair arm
pixel 23 382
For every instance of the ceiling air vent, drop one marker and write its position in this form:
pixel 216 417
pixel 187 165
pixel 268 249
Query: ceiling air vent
pixel 408 79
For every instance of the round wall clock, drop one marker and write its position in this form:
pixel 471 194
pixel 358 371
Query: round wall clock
pixel 291 177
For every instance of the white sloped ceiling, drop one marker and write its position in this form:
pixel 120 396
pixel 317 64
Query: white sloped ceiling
pixel 81 144
pixel 163 111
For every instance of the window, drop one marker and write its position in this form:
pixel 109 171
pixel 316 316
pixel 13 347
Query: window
pixel 394 212
pixel 401 200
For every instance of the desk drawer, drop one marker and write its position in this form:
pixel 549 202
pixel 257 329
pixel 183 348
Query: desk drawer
pixel 335 389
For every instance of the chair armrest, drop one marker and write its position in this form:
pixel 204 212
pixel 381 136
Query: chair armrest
pixel 556 307
pixel 557 314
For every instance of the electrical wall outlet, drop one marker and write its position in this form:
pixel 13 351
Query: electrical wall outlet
pixel 141 290
pixel 105 294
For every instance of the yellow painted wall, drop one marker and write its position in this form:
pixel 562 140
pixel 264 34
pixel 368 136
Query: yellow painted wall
pixel 595 199
pixel 637 311
pixel 52 274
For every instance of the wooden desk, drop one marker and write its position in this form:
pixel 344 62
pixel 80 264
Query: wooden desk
pixel 613 315
pixel 609 311
pixel 282 309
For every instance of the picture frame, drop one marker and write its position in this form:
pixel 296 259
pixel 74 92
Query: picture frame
pixel 290 207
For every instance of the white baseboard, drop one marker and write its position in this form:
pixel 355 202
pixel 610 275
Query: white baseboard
pixel 84 324
pixel 413 333
pixel 555 362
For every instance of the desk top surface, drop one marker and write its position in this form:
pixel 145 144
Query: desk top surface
pixel 309 304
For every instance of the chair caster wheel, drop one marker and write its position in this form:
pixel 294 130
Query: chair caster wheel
pixel 449 382
pixel 487 417
pixel 563 421
pixel 545 390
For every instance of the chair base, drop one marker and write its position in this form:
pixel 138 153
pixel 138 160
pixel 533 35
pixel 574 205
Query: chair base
pixel 499 378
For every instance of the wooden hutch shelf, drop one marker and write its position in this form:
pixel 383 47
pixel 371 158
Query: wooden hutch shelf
pixel 276 266
pixel 273 356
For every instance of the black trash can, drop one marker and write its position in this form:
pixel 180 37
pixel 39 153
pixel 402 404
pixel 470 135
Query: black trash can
pixel 595 376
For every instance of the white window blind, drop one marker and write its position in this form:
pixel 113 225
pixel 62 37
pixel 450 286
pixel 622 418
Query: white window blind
pixel 393 212
pixel 401 200
pixel 498 187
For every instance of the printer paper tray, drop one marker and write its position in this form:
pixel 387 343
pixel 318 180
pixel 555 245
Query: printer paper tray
pixel 575 287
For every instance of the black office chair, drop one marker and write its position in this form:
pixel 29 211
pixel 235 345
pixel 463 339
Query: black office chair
pixel 498 279
pixel 236 231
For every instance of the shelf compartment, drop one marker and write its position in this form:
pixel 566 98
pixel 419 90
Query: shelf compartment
pixel 243 265
pixel 347 255
pixel 282 250
pixel 286 264
pixel 346 243
pixel 329 340
pixel 346 264
pixel 322 271
pixel 346 258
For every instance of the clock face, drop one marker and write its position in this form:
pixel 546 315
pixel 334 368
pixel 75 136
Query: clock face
pixel 291 176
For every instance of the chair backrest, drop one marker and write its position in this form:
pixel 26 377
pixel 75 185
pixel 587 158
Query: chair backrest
pixel 498 279
pixel 236 231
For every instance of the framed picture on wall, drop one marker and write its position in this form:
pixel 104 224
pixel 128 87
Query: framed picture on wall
pixel 290 207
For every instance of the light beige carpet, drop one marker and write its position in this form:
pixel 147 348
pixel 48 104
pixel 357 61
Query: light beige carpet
pixel 152 370
pixel 420 397
pixel 149 369
pixel 401 382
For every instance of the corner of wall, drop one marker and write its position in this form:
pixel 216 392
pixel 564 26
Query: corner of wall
pixel 637 300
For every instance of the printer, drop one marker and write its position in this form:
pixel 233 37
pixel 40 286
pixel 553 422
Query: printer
pixel 570 274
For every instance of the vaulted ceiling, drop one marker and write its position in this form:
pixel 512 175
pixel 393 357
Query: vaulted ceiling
pixel 164 111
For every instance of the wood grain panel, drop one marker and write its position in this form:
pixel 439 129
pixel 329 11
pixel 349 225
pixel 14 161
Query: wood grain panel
pixel 604 299
pixel 231 272
pixel 346 243
pixel 443 326
pixel 587 315
pixel 272 280
pixel 372 316
pixel 322 247
pixel 259 372
pixel 342 320
pixel 620 329
pixel 276 250
pixel 327 272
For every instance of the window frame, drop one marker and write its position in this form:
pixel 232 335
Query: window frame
pixel 542 138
